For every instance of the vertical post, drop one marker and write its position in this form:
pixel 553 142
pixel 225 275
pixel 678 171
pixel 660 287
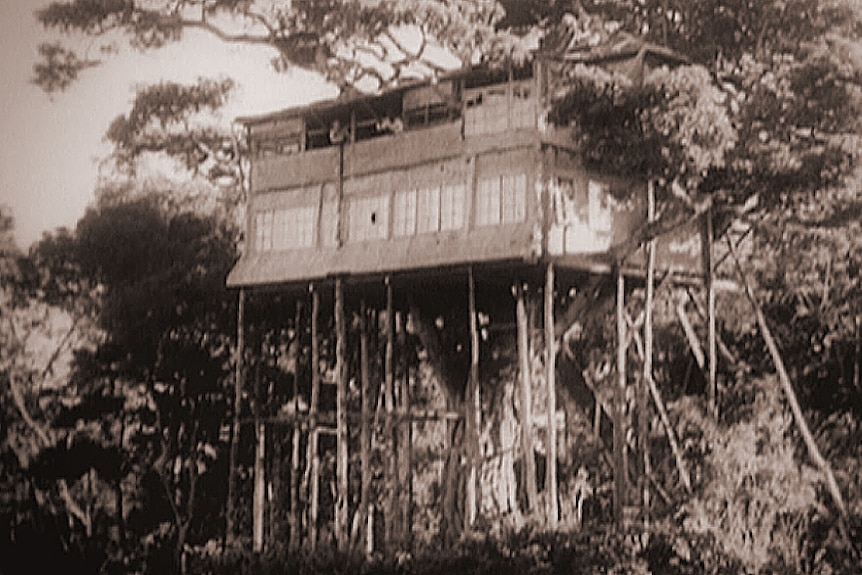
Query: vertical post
pixel 341 507
pixel 297 432
pixel 389 398
pixel 230 528
pixel 365 427
pixel 644 393
pixel 473 403
pixel 528 465
pixel 259 504
pixel 340 232
pixel 712 399
pixel 405 444
pixel 551 375
pixel 620 478
pixel 313 455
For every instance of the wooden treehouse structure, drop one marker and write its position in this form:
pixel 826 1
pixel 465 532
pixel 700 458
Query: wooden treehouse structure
pixel 444 217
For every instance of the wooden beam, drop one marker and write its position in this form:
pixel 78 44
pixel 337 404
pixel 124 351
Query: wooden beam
pixel 313 452
pixel 342 438
pixel 668 428
pixel 551 380
pixel 473 404
pixel 620 479
pixel 230 512
pixel 528 467
pixel 365 508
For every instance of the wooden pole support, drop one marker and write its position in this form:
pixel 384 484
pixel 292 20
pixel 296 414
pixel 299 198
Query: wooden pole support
pixel 297 432
pixel 389 399
pixel 643 392
pixel 551 377
pixel 474 406
pixel 525 415
pixel 341 507
pixel 711 347
pixel 313 455
pixel 365 426
pixel 620 479
pixel 230 512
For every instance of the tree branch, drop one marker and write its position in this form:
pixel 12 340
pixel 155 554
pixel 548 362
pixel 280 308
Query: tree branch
pixel 71 505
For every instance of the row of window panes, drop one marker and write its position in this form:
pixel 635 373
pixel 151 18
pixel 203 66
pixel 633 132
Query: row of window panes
pixel 284 228
pixel 499 200
pixel 429 210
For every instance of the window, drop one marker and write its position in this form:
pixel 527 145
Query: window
pixel 452 201
pixel 497 108
pixel 501 200
pixel 404 214
pixel 601 213
pixel 369 218
pixel 263 231
pixel 428 210
pixel 284 229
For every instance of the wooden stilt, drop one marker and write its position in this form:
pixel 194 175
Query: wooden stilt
pixel 551 377
pixel 405 442
pixel 230 512
pixel 365 425
pixel 711 389
pixel 259 503
pixel 297 435
pixel 313 454
pixel 389 399
pixel 620 479
pixel 473 403
pixel 526 417
pixel 643 392
pixel 341 507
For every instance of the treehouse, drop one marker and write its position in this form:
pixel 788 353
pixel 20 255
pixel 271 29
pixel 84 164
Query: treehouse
pixel 452 213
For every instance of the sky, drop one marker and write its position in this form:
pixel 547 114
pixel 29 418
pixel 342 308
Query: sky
pixel 51 146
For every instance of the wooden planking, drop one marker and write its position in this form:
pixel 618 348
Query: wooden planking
pixel 419 252
pixel 387 153
pixel 294 170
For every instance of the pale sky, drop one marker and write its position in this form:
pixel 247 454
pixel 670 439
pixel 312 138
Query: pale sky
pixel 51 146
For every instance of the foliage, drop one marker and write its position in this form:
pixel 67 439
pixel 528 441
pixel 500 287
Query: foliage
pixel 349 40
pixel 524 551
pixel 755 501
pixel 176 120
